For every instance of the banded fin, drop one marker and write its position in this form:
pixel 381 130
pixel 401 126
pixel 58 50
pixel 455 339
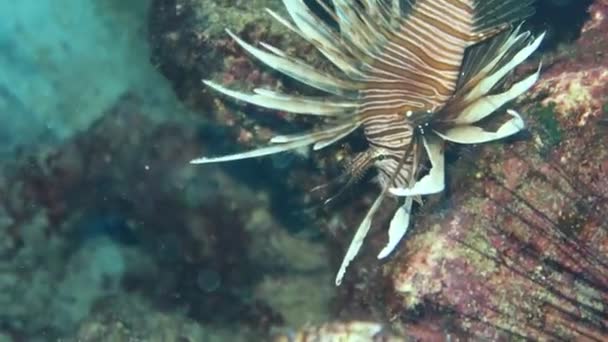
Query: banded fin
pixel 297 69
pixel 284 143
pixel 488 82
pixel 324 38
pixel 293 104
pixel 487 105
pixel 477 135
pixel 479 55
pixel 357 241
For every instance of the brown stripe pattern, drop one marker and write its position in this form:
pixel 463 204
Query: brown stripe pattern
pixel 415 71
pixel 411 73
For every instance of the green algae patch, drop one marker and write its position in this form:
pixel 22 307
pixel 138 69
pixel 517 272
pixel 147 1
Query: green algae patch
pixel 549 128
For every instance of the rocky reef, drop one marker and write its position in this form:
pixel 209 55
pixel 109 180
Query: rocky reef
pixel 516 249
pixel 111 235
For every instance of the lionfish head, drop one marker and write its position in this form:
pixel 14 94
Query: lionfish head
pixel 411 74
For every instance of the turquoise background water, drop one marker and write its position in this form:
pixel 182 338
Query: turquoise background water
pixel 62 62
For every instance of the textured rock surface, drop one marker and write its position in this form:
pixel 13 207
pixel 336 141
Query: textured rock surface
pixel 352 331
pixel 116 212
pixel 64 62
pixel 520 251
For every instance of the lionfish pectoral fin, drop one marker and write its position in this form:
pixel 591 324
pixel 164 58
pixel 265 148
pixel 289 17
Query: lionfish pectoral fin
pixel 296 68
pixel 487 105
pixel 259 152
pixel 348 129
pixel 292 104
pixel 488 82
pixel 434 181
pixel 398 227
pixel 357 241
pixel 282 143
pixel 477 135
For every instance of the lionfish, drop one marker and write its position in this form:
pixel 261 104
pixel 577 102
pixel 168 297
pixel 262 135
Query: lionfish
pixel 411 74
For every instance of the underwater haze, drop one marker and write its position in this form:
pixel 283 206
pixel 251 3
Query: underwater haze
pixel 64 62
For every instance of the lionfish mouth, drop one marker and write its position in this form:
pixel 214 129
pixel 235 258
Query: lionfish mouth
pixel 412 73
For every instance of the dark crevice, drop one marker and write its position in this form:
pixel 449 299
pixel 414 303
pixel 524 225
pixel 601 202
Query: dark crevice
pixel 562 19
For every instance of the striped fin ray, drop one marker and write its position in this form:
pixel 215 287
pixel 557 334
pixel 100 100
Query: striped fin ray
pixel 285 143
pixel 500 58
pixel 298 70
pixel 359 28
pixel 318 33
pixel 421 58
pixel 382 11
pixel 330 135
pixel 293 104
pixel 480 55
pixel 503 64
pixel 365 225
pixel 363 30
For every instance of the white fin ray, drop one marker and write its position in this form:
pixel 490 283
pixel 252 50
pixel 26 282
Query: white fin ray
pixel 319 145
pixel 311 28
pixel 357 241
pixel 398 227
pixel 293 104
pixel 477 135
pixel 284 22
pixel 487 105
pixel 352 25
pixel 321 135
pixel 282 143
pixel 434 181
pixel 295 68
pixel 512 40
pixel 259 152
pixel 325 39
pixel 488 82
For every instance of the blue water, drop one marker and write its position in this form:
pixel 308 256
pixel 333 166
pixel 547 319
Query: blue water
pixel 62 62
